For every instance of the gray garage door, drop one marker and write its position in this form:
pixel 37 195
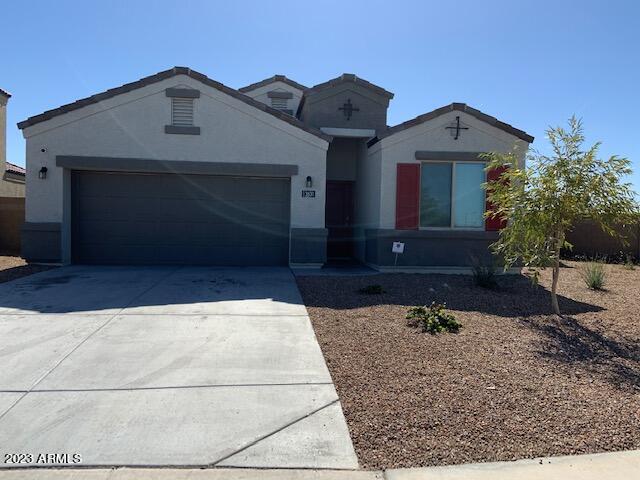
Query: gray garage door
pixel 179 219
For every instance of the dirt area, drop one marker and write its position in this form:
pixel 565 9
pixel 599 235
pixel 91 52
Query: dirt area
pixel 15 267
pixel 516 382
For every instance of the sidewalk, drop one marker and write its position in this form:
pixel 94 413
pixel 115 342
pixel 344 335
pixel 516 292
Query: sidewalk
pixel 604 466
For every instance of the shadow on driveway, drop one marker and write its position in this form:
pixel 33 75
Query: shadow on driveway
pixel 187 290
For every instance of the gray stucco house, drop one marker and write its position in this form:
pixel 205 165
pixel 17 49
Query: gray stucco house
pixel 178 168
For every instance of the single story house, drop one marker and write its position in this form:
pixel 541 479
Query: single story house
pixel 177 168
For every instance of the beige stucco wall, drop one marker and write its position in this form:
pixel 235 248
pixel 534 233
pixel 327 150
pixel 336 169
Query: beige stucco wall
pixel 260 94
pixel 10 186
pixel 432 136
pixel 132 125
pixel 3 131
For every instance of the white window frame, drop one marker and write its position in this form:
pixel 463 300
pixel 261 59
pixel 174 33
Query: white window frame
pixel 453 194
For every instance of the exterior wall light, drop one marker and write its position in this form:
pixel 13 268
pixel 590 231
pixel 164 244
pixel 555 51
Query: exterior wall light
pixel 42 174
pixel 309 182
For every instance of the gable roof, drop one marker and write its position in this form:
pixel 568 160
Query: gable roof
pixel 349 78
pixel 458 107
pixel 5 93
pixel 143 82
pixel 275 78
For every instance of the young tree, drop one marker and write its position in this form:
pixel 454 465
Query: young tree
pixel 543 201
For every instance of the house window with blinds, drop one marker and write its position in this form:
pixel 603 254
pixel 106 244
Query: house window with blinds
pixel 183 102
pixel 182 112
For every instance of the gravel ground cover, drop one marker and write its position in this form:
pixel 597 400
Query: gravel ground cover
pixel 15 267
pixel 516 382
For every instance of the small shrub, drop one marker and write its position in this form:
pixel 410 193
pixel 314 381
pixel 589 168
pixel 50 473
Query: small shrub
pixel 594 275
pixel 372 290
pixel 628 263
pixel 485 276
pixel 433 319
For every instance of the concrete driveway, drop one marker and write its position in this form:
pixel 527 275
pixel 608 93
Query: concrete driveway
pixel 158 366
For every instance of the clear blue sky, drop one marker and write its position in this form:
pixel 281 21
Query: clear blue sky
pixel 529 63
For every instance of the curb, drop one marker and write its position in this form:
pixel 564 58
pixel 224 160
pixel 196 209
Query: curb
pixel 601 466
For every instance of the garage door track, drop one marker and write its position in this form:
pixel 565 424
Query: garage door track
pixel 160 366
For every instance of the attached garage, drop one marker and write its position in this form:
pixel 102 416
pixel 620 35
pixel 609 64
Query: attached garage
pixel 151 218
pixel 174 169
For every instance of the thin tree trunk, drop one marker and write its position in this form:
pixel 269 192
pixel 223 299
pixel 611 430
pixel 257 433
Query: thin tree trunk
pixel 556 274
pixel 554 285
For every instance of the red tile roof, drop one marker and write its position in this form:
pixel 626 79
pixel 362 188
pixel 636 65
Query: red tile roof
pixel 15 169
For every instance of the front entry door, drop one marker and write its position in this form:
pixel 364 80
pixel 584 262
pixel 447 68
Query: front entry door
pixel 339 219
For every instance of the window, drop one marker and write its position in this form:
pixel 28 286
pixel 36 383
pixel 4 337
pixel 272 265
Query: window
pixel 182 112
pixel 451 195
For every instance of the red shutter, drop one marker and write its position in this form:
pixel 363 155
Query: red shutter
pixel 494 223
pixel 407 196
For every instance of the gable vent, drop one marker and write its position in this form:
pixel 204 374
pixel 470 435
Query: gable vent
pixel 182 112
pixel 280 103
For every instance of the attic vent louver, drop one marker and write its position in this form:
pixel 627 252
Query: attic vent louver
pixel 182 112
pixel 280 103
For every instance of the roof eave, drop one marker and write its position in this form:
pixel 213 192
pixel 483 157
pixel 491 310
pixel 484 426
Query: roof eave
pixel 49 114
pixel 349 78
pixel 270 80
pixel 460 107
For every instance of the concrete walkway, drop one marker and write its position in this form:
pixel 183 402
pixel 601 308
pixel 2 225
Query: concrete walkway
pixel 135 366
pixel 605 466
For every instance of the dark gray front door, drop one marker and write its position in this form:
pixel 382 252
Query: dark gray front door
pixel 179 219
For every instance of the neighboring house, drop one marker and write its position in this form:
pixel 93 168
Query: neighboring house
pixel 178 168
pixel 11 176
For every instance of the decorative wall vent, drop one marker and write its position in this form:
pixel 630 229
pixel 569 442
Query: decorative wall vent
pixel 182 103
pixel 182 112
pixel 280 103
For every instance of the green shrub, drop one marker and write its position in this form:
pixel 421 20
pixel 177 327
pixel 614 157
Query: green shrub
pixel 628 263
pixel 485 276
pixel 594 275
pixel 433 319
pixel 372 290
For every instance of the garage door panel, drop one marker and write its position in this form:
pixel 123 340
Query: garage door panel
pixel 255 212
pixel 117 209
pixel 177 219
pixel 222 255
pixel 117 254
pixel 180 209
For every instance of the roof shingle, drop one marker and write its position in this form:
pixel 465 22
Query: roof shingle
pixel 459 107
pixel 15 169
pixel 143 82
pixel 275 78
pixel 349 77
